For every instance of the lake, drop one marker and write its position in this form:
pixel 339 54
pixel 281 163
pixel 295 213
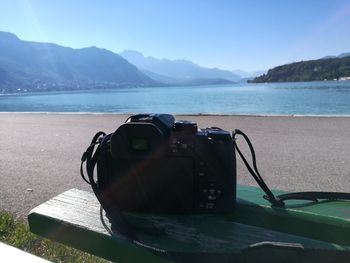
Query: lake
pixel 302 98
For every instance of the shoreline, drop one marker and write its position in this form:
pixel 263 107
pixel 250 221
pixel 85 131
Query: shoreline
pixel 183 114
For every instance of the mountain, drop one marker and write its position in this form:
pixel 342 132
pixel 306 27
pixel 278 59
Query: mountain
pixel 33 66
pixel 312 70
pixel 177 71
pixel 327 57
pixel 169 81
pixel 248 74
pixel 343 55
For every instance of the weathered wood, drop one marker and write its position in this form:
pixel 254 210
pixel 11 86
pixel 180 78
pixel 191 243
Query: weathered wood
pixel 73 219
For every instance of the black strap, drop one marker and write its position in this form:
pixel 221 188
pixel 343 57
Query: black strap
pixel 314 196
pixel 254 172
pixel 279 200
pixel 88 155
pixel 115 215
pixel 119 224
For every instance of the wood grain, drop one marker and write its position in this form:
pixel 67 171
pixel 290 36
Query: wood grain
pixel 73 219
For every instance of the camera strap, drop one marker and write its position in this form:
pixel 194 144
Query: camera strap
pixel 279 200
pixel 116 216
pixel 119 224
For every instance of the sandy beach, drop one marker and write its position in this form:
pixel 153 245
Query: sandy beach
pixel 40 152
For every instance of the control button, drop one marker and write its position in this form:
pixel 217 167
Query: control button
pixel 201 174
pixel 201 205
pixel 201 163
pixel 212 192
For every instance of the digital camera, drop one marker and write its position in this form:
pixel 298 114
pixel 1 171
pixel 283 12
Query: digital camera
pixel 154 164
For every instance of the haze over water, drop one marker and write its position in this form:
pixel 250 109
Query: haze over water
pixel 304 98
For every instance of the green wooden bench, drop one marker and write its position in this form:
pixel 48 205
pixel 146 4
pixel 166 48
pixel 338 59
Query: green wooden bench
pixel 255 232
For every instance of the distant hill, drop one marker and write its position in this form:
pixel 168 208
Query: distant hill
pixel 32 66
pixel 321 69
pixel 177 71
pixel 342 55
pixel 247 75
pixel 169 81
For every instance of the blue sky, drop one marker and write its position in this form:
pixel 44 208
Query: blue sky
pixel 248 35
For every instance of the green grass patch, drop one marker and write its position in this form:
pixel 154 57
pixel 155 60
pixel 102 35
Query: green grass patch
pixel 15 232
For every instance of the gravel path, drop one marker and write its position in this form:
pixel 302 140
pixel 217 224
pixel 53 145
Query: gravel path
pixel 40 152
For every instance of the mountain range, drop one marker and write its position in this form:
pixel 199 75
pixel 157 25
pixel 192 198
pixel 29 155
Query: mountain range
pixel 248 75
pixel 27 66
pixel 178 71
pixel 32 66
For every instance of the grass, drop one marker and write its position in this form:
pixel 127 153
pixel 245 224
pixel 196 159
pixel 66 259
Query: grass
pixel 15 232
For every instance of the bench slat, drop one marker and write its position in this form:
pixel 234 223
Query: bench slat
pixel 73 218
pixel 326 220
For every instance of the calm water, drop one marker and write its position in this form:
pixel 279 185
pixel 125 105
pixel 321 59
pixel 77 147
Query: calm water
pixel 314 98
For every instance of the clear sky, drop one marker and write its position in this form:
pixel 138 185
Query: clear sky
pixel 246 34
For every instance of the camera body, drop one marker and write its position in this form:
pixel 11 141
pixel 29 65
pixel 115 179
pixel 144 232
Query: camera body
pixel 154 164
